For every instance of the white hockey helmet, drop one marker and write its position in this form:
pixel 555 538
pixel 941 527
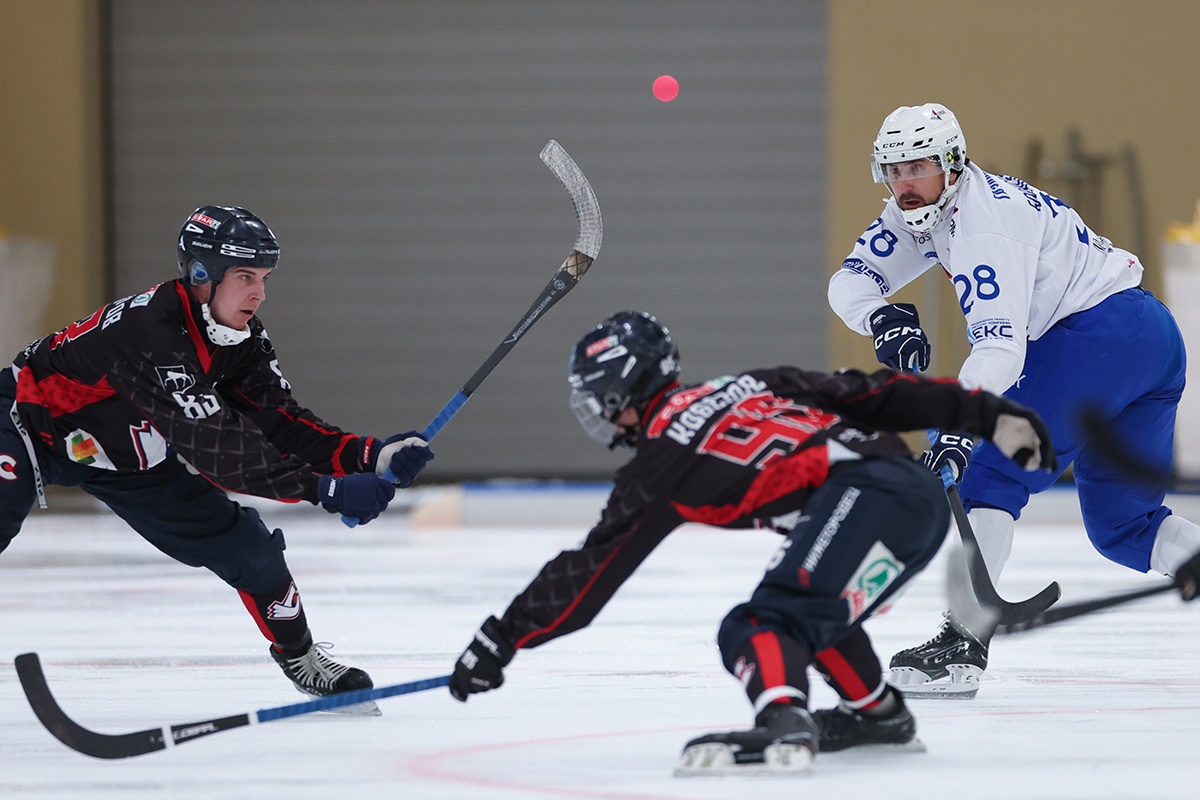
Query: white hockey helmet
pixel 912 133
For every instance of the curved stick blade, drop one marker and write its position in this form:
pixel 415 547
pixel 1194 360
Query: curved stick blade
pixel 590 230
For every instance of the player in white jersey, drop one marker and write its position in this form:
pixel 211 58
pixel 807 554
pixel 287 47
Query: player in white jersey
pixel 1057 320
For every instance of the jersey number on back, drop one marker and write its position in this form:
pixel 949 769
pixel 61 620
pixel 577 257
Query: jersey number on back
pixel 762 428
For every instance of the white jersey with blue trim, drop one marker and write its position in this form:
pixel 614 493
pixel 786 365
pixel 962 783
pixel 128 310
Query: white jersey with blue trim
pixel 1020 260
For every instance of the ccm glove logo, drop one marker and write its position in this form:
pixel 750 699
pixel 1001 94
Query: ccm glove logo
pixel 899 341
pixel 896 333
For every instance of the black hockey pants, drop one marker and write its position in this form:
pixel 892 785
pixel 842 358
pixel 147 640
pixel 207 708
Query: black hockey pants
pixel 180 513
pixel 869 530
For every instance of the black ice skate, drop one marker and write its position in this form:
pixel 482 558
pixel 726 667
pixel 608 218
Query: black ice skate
pixel 315 674
pixel 783 741
pixel 949 665
pixel 843 727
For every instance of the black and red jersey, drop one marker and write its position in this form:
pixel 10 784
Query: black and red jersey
pixel 736 452
pixel 116 390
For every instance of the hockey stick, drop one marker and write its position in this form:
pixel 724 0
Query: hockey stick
pixel 976 567
pixel 1007 613
pixel 125 745
pixel 985 622
pixel 589 232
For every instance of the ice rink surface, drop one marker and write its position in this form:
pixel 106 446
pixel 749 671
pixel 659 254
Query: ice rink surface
pixel 1104 707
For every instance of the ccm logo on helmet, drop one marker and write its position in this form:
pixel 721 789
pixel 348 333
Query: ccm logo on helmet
pixel 894 333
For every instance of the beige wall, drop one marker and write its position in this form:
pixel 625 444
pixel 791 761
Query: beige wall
pixel 51 143
pixel 1122 72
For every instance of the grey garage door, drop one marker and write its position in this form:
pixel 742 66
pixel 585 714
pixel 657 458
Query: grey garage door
pixel 393 148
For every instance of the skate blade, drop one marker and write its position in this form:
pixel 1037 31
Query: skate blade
pixel 871 754
pixel 716 760
pixel 961 684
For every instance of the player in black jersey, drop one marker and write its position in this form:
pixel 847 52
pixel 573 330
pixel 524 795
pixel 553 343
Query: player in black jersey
pixel 160 402
pixel 810 455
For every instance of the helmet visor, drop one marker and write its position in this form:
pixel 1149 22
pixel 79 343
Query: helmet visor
pixel 906 170
pixel 590 413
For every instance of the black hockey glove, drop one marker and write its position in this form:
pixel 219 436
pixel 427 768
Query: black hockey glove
pixel 949 449
pixel 402 458
pixel 900 343
pixel 481 666
pixel 1020 434
pixel 359 498
pixel 1187 578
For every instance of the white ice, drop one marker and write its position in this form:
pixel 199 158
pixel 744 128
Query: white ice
pixel 1103 707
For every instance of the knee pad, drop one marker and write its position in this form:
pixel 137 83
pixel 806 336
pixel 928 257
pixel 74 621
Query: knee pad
pixel 252 558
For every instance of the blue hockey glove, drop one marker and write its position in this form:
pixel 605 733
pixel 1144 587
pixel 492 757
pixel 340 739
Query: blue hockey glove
pixel 951 450
pixel 402 458
pixel 1187 577
pixel 359 498
pixel 481 666
pixel 900 343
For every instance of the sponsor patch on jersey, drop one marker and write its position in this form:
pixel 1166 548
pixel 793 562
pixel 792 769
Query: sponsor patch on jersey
pixel 600 346
pixel 143 299
pixel 877 571
pixel 204 219
pixel 83 448
pixel 176 378
pixel 860 266
pixel 995 328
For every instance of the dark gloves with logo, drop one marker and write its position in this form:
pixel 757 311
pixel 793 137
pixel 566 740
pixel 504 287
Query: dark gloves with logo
pixel 359 498
pixel 900 343
pixel 481 666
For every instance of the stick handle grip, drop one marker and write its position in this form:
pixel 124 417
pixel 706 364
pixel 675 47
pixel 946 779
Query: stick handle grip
pixel 431 430
pixel 445 415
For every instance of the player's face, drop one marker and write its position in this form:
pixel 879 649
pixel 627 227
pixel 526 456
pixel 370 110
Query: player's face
pixel 915 183
pixel 628 420
pixel 238 296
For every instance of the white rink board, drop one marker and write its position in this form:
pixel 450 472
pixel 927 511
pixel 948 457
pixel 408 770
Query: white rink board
pixel 1106 707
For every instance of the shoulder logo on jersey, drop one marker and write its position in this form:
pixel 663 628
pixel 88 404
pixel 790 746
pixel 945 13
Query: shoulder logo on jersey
pixel 680 401
pixel 860 266
pixel 143 299
pixel 83 448
pixel 176 378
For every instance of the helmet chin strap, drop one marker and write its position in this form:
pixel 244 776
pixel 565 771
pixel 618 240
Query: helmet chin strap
pixel 222 335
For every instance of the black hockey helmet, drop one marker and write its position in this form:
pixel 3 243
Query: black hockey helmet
pixel 215 238
pixel 624 362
